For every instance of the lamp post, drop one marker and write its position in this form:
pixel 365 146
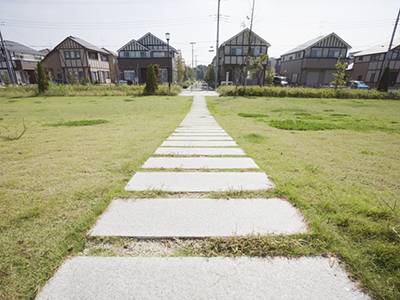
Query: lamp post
pixel 167 36
pixel 192 43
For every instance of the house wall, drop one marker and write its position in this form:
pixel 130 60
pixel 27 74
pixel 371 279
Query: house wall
pixel 368 68
pixel 233 54
pixel 71 57
pixel 139 65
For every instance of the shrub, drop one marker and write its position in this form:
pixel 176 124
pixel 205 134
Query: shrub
pixel 300 92
pixel 43 82
pixel 383 84
pixel 151 81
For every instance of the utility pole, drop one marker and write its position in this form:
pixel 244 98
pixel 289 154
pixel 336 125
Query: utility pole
pixel 390 45
pixel 217 50
pixel 192 43
pixel 9 67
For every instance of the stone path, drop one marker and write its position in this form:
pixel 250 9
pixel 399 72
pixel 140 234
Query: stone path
pixel 199 157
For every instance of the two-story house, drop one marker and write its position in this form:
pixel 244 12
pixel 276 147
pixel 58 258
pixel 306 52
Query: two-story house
pixel 313 63
pixel 233 56
pixel 23 62
pixel 368 65
pixel 135 56
pixel 74 57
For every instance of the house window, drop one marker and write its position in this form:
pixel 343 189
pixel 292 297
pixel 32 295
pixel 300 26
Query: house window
pixel 66 53
pixel 294 78
pixel 360 58
pixel 236 51
pixel 108 75
pixel 144 54
pixel 316 53
pixel 77 54
pixel 159 54
pixel 375 57
pixel 359 78
pixel 104 58
pixel 395 55
pixel 298 55
pixel 333 53
pixel 372 77
pixel 72 54
pixel 59 76
pixel 256 51
pixel 93 55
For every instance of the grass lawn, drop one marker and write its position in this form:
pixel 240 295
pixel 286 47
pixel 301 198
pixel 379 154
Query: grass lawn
pixel 76 155
pixel 338 161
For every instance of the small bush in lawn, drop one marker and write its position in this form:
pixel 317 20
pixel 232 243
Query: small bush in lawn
pixel 79 123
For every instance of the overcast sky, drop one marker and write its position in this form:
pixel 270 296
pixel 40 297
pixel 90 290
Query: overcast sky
pixel 113 23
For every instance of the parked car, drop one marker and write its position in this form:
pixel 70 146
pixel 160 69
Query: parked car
pixel 57 81
pixel 356 84
pixel 281 81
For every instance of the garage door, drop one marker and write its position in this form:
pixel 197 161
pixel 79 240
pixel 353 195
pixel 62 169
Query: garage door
pixel 328 77
pixel 312 78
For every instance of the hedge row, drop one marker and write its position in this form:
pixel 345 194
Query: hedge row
pixel 56 90
pixel 306 92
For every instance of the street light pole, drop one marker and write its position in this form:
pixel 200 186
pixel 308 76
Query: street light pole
pixel 192 43
pixel 167 36
pixel 217 50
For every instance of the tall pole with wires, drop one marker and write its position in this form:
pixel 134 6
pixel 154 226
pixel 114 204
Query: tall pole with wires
pixel 5 54
pixel 217 50
pixel 391 42
pixel 192 43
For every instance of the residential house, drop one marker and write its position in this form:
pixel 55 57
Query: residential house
pixel 368 65
pixel 233 54
pixel 113 61
pixel 24 61
pixel 313 63
pixel 76 58
pixel 135 56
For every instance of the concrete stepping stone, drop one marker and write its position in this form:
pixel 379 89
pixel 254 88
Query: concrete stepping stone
pixel 200 163
pixel 199 138
pixel 198 134
pixel 199 181
pixel 199 144
pixel 198 218
pixel 100 278
pixel 199 151
pixel 201 130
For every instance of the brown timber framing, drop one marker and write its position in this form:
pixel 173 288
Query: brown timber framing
pixel 72 55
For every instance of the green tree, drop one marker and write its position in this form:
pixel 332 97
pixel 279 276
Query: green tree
pixel 179 70
pixel 256 66
pixel 269 76
pixel 158 73
pixel 383 84
pixel 43 82
pixel 209 77
pixel 151 81
pixel 73 80
pixel 7 80
pixel 339 76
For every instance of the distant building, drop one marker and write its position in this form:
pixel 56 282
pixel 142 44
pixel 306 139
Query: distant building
pixel 232 58
pixel 113 61
pixel 24 61
pixel 135 56
pixel 368 65
pixel 74 57
pixel 313 63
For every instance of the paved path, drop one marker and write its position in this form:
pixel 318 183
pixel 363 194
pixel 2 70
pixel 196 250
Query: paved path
pixel 199 157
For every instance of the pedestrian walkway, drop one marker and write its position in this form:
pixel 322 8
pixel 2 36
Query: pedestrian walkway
pixel 199 157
